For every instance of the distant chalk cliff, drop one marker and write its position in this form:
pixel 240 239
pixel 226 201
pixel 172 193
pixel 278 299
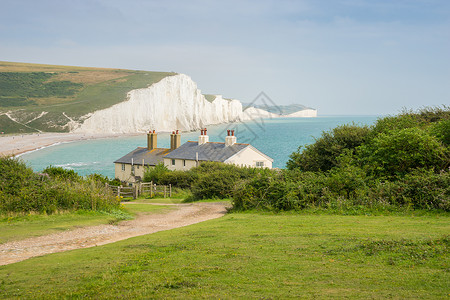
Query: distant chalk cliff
pixel 175 102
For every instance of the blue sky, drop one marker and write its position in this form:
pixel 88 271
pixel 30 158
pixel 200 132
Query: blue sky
pixel 339 56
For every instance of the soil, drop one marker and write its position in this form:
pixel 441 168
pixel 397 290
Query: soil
pixel 182 215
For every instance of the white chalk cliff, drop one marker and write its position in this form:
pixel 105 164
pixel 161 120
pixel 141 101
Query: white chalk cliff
pixel 175 102
pixel 306 113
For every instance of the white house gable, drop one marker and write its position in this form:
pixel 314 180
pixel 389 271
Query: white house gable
pixel 250 157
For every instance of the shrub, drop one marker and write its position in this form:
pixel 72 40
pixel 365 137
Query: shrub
pixel 397 152
pixel 324 153
pixel 61 173
pixel 154 174
pixel 421 189
pixel 22 191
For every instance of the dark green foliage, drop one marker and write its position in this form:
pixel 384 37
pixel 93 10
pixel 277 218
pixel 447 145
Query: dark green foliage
pixel 61 173
pixel 35 85
pixel 218 180
pixel 323 154
pixel 397 152
pixel 209 180
pixel 155 173
pixel 179 179
pixel 421 188
pixel 22 190
pixel 104 179
pixel 441 130
pixel 401 161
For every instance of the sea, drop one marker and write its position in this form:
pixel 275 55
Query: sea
pixel 277 138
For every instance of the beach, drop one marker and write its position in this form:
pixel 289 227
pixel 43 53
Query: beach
pixel 12 145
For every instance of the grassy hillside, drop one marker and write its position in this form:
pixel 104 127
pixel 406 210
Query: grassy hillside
pixel 252 256
pixel 62 92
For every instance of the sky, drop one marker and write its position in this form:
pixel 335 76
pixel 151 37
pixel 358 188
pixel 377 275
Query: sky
pixel 342 57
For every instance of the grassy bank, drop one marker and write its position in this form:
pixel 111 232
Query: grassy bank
pixel 249 255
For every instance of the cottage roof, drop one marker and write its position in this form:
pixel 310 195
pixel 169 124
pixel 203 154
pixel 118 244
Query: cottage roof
pixel 206 152
pixel 150 158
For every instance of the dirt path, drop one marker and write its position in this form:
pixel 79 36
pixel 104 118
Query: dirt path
pixel 183 215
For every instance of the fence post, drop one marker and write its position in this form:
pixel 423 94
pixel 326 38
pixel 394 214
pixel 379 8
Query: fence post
pixel 118 191
pixel 165 191
pixel 170 190
pixel 151 189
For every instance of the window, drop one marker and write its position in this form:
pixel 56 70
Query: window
pixel 259 164
pixel 184 163
pixel 173 162
pixel 123 167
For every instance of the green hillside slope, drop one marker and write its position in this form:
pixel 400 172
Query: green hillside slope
pixel 46 97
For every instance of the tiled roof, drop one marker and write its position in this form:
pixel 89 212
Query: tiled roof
pixel 206 152
pixel 150 158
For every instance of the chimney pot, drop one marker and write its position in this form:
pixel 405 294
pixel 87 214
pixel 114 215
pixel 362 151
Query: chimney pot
pixel 177 131
pixel 153 131
pixel 228 132
pixel 232 132
pixel 173 132
pixel 205 131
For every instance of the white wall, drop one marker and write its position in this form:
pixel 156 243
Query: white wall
pixel 179 164
pixel 126 175
pixel 248 157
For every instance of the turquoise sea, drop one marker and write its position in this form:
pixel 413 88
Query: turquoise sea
pixel 277 138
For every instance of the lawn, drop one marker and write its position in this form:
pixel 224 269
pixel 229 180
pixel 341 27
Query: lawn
pixel 253 255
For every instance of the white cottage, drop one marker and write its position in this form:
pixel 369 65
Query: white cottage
pixel 131 167
pixel 190 154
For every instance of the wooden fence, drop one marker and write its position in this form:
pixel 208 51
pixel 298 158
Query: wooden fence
pixel 141 188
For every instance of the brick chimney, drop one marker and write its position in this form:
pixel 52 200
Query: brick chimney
pixel 203 138
pixel 230 139
pixel 175 140
pixel 151 140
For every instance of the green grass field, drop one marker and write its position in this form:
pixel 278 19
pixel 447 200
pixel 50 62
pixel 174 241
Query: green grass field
pixel 253 255
pixel 26 90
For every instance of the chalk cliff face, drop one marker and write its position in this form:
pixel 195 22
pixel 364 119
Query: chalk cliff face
pixel 175 102
pixel 252 113
pixel 306 113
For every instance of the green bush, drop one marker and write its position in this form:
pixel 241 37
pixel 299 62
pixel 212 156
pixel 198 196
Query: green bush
pixel 401 161
pixel 398 152
pixel 441 130
pixel 421 188
pixel 323 154
pixel 23 191
pixel 155 174
pixel 214 180
pixel 61 173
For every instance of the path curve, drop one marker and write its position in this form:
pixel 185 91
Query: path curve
pixel 183 215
